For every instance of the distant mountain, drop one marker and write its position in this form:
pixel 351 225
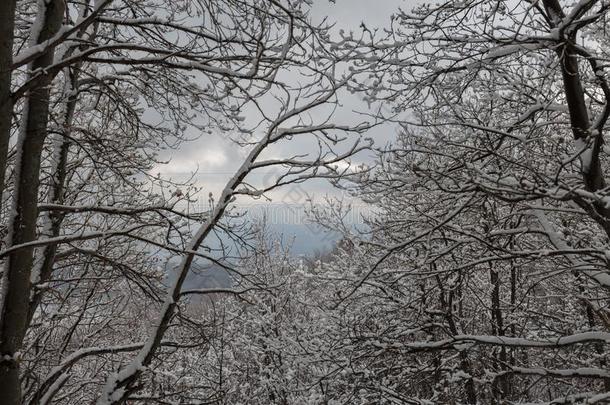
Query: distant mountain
pixel 303 240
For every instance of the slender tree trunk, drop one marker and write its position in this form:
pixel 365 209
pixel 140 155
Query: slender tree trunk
pixel 7 25
pixel 15 294
pixel 599 347
pixel 52 220
pixel 447 305
pixel 500 387
pixel 514 278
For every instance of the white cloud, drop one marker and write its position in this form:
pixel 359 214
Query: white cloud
pixel 204 160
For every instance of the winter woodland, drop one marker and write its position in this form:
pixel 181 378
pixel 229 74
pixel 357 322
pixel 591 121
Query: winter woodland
pixel 480 275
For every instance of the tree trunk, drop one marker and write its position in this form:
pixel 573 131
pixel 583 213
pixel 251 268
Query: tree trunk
pixel 592 172
pixel 447 305
pixel 15 293
pixel 500 386
pixel 7 24
pixel 52 220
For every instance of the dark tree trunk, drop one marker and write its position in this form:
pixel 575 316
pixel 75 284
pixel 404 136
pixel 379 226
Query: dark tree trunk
pixel 24 212
pixel 7 25
pixel 592 172
pixel 447 305
pixel 500 386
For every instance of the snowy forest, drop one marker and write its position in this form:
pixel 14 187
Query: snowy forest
pixel 472 131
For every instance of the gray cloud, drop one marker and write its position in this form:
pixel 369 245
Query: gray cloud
pixel 215 159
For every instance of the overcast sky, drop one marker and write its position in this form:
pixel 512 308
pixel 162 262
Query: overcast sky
pixel 215 159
